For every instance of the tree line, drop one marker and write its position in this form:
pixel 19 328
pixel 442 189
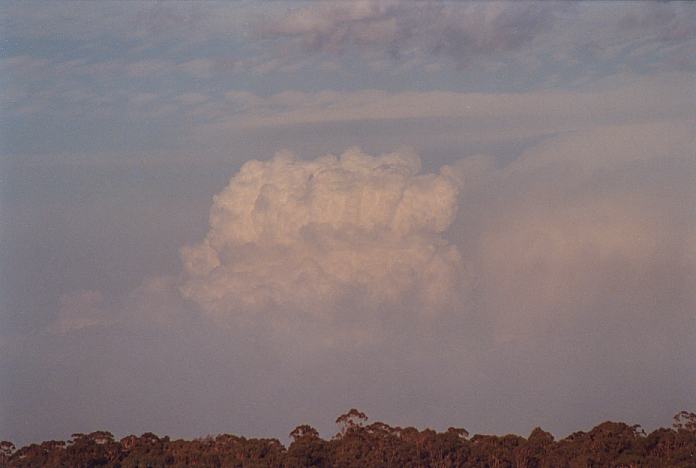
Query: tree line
pixel 359 444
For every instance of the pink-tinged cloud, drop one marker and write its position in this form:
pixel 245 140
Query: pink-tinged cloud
pixel 592 227
pixel 309 234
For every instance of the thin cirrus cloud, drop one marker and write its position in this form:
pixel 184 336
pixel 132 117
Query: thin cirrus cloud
pixel 293 107
pixel 450 116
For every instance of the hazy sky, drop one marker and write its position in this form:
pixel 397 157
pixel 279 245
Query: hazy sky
pixel 241 217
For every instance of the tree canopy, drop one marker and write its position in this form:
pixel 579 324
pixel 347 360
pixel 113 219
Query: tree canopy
pixel 358 444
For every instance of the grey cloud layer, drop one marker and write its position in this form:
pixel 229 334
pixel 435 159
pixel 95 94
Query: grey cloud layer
pixel 464 32
pixel 458 31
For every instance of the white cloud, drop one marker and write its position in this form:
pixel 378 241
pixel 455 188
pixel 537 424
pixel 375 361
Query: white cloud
pixel 593 221
pixel 309 234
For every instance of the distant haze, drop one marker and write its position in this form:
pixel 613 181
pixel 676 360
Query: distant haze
pixel 244 217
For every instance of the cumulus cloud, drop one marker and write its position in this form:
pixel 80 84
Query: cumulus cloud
pixel 587 222
pixel 564 276
pixel 310 234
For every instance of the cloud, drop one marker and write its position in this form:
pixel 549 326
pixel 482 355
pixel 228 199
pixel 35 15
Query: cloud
pixel 586 222
pixel 591 227
pixel 311 234
pixel 549 110
pixel 145 68
pixel 191 99
pixel 80 309
pixel 527 35
pixel 461 32
pixel 561 283
pixel 670 23
pixel 207 67
pixel 149 21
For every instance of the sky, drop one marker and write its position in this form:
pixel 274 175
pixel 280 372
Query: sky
pixel 241 217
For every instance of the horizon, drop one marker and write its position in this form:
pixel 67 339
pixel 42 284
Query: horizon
pixel 367 422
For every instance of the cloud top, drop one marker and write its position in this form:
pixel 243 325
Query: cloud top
pixel 310 234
